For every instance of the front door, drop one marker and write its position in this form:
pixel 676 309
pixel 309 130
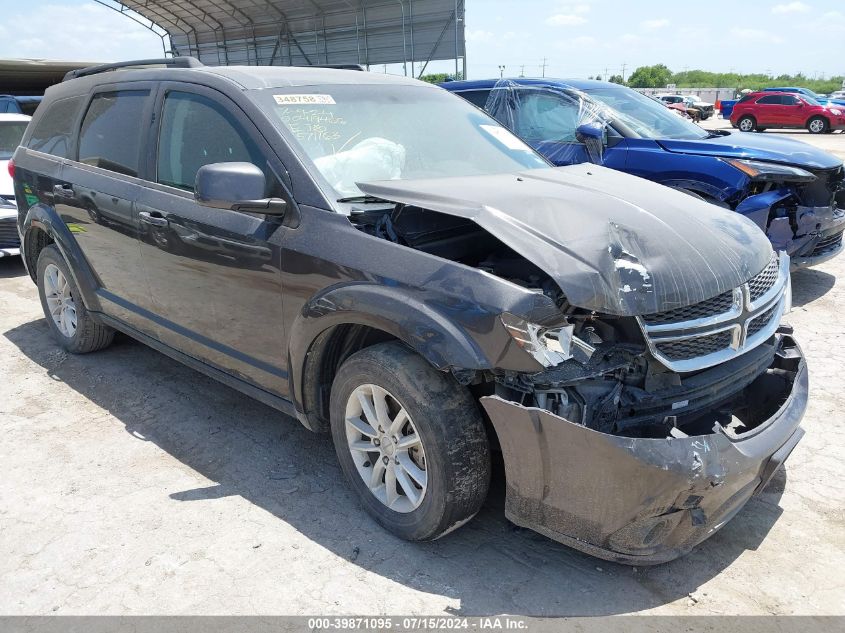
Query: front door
pixel 792 111
pixel 214 274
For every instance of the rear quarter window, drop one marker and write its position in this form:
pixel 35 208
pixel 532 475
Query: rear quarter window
pixel 52 131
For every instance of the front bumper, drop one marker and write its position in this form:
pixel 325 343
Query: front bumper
pixel 641 501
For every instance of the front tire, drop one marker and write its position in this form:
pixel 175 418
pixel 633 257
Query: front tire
pixel 818 125
pixel 746 124
pixel 410 441
pixel 69 320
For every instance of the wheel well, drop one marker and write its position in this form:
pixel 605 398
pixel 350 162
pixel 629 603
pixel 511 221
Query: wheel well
pixel 35 241
pixel 325 356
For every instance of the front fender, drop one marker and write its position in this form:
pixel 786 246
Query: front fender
pixel 45 218
pixel 449 334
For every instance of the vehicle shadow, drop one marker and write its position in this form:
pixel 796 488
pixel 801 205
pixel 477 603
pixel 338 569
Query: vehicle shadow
pixel 489 565
pixel 11 267
pixel 809 284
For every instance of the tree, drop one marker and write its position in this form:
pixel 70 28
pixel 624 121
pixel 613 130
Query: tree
pixel 656 76
pixel 439 78
pixel 616 79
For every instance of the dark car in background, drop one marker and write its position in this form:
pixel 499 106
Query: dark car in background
pixel 791 190
pixel 425 293
pixel 761 110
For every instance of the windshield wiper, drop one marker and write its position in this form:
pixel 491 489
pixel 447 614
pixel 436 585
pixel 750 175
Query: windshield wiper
pixel 366 199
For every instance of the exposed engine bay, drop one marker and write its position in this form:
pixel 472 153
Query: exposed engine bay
pixel 605 377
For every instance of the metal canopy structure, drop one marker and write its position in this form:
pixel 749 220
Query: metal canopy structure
pixel 307 32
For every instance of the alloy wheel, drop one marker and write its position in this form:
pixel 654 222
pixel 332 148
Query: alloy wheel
pixel 817 126
pixel 60 300
pixel 386 448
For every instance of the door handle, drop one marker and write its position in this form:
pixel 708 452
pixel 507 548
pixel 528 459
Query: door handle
pixel 147 217
pixel 63 191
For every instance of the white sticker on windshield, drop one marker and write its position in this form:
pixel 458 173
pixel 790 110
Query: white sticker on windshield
pixel 304 99
pixel 504 137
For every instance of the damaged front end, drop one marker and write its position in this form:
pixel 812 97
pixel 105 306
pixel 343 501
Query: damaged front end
pixel 647 500
pixel 662 391
pixel 802 212
pixel 637 454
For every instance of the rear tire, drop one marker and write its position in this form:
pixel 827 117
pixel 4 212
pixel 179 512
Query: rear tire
pixel 746 124
pixel 818 125
pixel 411 404
pixel 69 320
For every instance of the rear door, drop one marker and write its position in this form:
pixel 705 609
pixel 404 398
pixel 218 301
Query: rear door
pixel 767 110
pixel 97 191
pixel 213 273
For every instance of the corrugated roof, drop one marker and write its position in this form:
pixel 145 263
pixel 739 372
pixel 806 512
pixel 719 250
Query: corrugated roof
pixel 309 32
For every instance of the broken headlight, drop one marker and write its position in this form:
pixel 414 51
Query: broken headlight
pixel 770 172
pixel 549 346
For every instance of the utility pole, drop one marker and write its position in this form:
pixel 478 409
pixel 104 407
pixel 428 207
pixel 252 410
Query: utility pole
pixel 606 74
pixel 522 70
pixel 501 71
pixel 624 66
pixel 544 66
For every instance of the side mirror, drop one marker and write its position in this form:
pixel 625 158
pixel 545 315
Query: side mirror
pixel 235 186
pixel 594 137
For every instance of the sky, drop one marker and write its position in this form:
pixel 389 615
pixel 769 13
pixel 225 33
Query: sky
pixel 577 39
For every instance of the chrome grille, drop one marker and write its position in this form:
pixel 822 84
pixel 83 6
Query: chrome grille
pixel 716 305
pixel 764 282
pixel 698 346
pixel 718 329
pixel 9 237
pixel 759 323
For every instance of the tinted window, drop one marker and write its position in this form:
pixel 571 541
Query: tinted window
pixel 111 131
pixel 475 97
pixel 547 117
pixel 51 132
pixel 745 98
pixel 790 100
pixel 196 131
pixel 769 100
pixel 11 133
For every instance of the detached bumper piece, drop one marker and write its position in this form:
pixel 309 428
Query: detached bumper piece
pixel 645 501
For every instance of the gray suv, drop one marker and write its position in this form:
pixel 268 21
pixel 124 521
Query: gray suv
pixel 386 263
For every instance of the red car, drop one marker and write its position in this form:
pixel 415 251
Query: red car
pixel 761 110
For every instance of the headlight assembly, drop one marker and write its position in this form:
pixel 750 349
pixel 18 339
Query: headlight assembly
pixel 770 172
pixel 549 346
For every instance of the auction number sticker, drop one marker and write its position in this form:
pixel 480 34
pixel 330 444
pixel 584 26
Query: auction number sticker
pixel 304 99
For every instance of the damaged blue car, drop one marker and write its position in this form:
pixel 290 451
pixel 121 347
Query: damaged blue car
pixel 793 191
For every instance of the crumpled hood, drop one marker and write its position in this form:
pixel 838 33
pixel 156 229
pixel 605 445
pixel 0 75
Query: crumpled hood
pixel 614 243
pixel 758 147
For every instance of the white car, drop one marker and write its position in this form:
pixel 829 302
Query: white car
pixel 12 127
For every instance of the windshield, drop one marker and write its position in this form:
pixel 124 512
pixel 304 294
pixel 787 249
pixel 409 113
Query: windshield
pixel 810 100
pixel 645 117
pixel 365 133
pixel 11 133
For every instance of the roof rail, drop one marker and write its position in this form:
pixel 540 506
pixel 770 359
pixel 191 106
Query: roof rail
pixel 169 62
pixel 337 66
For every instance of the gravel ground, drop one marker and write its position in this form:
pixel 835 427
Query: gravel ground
pixel 133 485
